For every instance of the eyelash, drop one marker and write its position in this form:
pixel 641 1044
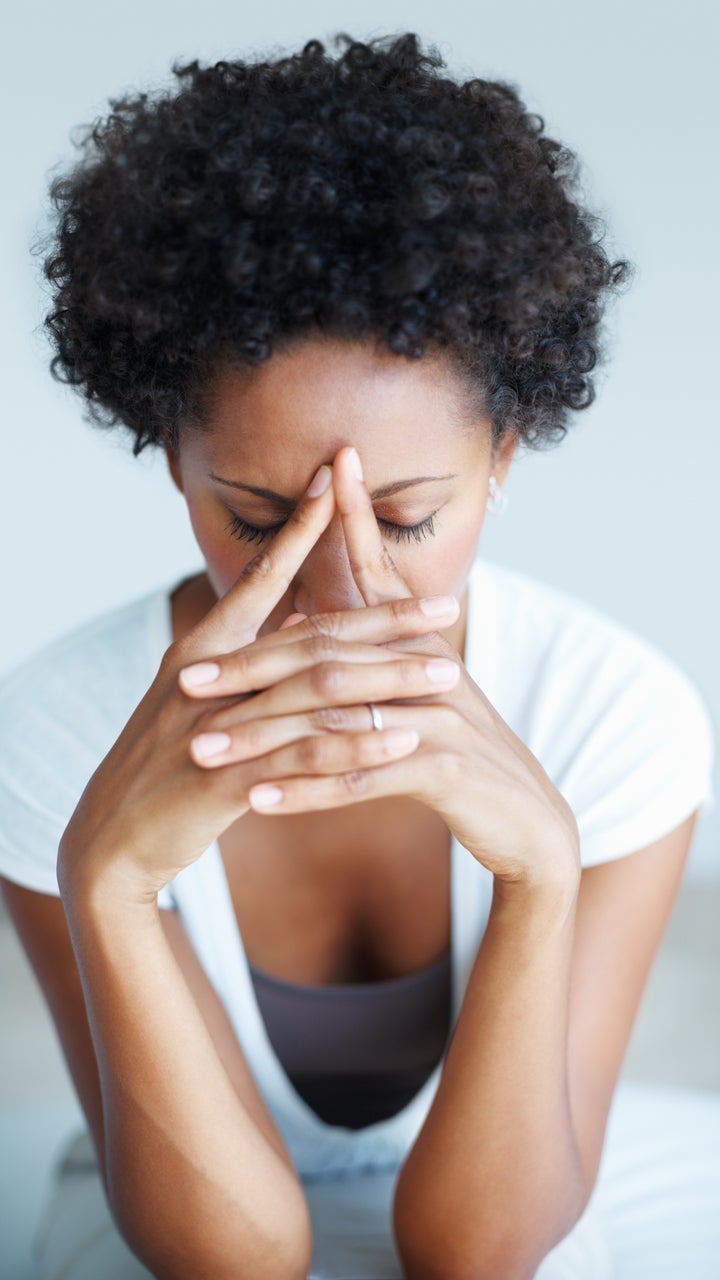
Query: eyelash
pixel 239 528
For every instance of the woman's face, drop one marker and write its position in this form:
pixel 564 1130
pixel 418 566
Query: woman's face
pixel 268 431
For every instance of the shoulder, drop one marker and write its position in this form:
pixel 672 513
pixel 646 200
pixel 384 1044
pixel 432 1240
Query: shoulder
pixel 107 648
pixel 619 726
pixel 60 711
pixel 550 641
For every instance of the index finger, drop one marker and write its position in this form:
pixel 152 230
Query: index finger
pixel 373 568
pixel 236 618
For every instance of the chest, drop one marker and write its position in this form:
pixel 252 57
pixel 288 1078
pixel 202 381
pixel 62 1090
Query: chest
pixel 341 896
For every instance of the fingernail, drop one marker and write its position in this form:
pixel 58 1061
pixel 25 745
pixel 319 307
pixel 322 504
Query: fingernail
pixel 200 673
pixel 211 744
pixel 436 606
pixel 265 795
pixel 442 671
pixel 319 482
pixel 356 464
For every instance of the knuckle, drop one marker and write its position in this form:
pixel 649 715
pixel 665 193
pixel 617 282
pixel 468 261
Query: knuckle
pixel 238 666
pixel 401 610
pixel 310 753
pixel 336 719
pixel 322 648
pixel 387 564
pixel 356 782
pixel 260 567
pixel 173 659
pixel 250 740
pixel 323 624
pixel 412 673
pixel 327 678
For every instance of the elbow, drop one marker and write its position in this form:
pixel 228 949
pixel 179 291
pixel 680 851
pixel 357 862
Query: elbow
pixel 505 1266
pixel 446 1267
pixel 452 1255
pixel 222 1245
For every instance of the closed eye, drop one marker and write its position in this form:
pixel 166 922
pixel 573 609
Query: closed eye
pixel 246 532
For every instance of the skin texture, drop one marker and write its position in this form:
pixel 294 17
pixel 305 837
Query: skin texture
pixel 275 426
pixel 269 430
pixel 545 1019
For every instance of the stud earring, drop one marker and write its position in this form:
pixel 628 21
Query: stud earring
pixel 498 501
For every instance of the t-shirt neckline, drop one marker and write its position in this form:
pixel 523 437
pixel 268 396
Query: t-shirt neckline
pixel 271 1075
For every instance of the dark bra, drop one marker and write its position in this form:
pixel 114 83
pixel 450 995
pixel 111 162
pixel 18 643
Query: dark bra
pixel 359 1052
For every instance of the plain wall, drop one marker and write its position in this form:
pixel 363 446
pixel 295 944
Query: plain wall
pixel 623 514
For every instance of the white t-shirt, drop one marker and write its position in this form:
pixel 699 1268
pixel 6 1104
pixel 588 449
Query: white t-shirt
pixel 618 727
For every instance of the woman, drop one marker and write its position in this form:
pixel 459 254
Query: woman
pixel 327 945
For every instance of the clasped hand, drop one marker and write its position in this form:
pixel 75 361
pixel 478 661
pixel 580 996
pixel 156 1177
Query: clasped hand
pixel 280 723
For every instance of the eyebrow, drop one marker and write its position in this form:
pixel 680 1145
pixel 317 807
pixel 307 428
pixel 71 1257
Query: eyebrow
pixel 385 490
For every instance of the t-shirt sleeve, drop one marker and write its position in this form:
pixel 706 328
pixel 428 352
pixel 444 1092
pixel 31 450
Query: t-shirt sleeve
pixel 53 736
pixel 646 760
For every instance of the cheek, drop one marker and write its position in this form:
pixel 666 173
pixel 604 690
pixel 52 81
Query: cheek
pixel 438 566
pixel 225 556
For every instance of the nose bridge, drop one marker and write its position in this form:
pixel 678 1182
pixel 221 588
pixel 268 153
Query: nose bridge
pixel 324 581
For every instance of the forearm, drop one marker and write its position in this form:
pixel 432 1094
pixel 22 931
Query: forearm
pixel 189 1176
pixel 494 1178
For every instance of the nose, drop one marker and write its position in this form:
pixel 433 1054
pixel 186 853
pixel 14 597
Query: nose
pixel 324 582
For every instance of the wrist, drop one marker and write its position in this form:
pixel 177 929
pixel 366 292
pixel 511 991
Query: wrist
pixel 98 880
pixel 552 899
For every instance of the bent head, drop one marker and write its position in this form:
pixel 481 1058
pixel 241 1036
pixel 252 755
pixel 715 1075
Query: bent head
pixel 426 456
pixel 277 258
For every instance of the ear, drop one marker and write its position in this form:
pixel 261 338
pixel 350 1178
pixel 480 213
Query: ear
pixel 502 456
pixel 173 461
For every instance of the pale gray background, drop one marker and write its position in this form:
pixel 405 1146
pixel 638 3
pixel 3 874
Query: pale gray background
pixel 623 514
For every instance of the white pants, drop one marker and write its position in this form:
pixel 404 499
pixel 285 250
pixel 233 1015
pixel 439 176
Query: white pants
pixel 654 1213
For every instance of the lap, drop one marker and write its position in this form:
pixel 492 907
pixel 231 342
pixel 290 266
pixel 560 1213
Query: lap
pixel 654 1213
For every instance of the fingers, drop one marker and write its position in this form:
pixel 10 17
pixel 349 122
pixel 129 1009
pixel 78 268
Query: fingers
pixel 301 743
pixel 234 743
pixel 363 782
pixel 255 668
pixel 372 626
pixel 329 758
pixel 315 753
pixel 340 684
pixel 421 772
pixel 372 566
pixel 236 618
pixel 228 741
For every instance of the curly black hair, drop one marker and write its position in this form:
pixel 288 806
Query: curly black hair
pixel 360 196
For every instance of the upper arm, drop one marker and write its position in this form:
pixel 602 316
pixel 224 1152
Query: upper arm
pixel 41 925
pixel 622 910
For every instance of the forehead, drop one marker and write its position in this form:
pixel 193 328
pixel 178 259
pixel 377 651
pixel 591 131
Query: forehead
pixel 306 402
